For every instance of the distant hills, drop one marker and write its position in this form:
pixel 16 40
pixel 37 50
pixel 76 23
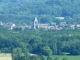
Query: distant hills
pixel 45 10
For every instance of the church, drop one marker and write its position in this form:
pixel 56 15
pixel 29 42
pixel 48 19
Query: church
pixel 37 25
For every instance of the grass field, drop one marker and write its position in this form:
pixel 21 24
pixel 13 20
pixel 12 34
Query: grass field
pixel 68 57
pixel 4 56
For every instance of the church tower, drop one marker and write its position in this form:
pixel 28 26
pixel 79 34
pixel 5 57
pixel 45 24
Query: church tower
pixel 35 23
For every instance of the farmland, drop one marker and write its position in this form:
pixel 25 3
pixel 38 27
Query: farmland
pixel 61 57
pixel 5 56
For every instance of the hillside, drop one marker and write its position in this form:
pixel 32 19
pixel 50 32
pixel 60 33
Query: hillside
pixel 45 10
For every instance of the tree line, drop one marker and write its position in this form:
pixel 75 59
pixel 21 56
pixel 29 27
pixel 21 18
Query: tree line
pixel 40 43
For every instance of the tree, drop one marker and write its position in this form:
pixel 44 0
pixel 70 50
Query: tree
pixel 26 54
pixel 49 58
pixel 59 47
pixel 45 50
pixel 56 58
pixel 64 58
pixel 17 53
pixel 75 49
pixel 53 46
pixel 35 41
pixel 41 56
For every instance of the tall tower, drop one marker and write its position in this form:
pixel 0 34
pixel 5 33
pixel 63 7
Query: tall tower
pixel 35 23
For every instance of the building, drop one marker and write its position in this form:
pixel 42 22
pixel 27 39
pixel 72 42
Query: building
pixel 37 25
pixel 72 26
pixel 13 26
pixel 60 18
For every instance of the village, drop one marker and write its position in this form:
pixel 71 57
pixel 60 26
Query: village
pixel 37 25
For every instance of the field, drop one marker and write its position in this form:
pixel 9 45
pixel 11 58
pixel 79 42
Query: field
pixel 68 57
pixel 4 56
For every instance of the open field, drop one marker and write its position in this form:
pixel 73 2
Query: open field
pixel 4 56
pixel 8 56
pixel 68 57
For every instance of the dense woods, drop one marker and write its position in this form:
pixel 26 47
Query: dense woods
pixel 39 42
pixel 45 10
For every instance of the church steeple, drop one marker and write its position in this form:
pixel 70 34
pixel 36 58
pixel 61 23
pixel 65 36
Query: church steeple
pixel 35 23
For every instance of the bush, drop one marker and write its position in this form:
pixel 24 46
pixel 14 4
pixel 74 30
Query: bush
pixel 64 58
pixel 56 58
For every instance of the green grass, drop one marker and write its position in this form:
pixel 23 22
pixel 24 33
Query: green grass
pixel 68 57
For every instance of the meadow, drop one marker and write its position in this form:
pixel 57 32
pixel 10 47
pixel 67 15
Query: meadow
pixel 5 56
pixel 60 57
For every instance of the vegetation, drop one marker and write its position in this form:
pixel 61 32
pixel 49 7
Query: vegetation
pixel 20 11
pixel 65 57
pixel 39 42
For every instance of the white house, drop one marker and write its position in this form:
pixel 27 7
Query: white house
pixel 60 18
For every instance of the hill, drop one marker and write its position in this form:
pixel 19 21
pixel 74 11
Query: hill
pixel 45 10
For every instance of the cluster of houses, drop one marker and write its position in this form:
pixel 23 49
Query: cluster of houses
pixel 14 26
pixel 38 25
pixel 47 26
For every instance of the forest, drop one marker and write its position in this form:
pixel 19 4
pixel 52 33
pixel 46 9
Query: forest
pixel 40 43
pixel 18 11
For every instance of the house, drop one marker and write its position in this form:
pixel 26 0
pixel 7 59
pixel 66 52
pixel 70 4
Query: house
pixel 13 26
pixel 78 25
pixel 63 24
pixel 60 18
pixel 72 26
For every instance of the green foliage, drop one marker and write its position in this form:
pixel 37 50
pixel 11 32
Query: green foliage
pixel 49 58
pixel 45 50
pixel 75 49
pixel 25 11
pixel 34 58
pixel 17 53
pixel 56 58
pixel 44 42
pixel 64 58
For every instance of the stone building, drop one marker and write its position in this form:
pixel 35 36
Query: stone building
pixel 38 25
